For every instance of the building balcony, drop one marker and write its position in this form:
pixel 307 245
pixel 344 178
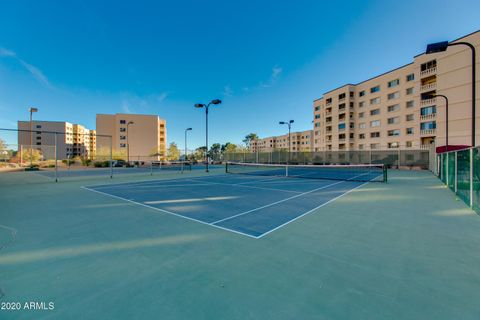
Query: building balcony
pixel 426 146
pixel 428 101
pixel 328 104
pixel 429 86
pixel 428 116
pixel 341 100
pixel 328 113
pixel 427 132
pixel 428 71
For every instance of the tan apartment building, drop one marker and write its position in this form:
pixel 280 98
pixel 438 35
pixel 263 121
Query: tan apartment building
pixel 146 135
pixel 395 109
pixel 300 141
pixel 73 140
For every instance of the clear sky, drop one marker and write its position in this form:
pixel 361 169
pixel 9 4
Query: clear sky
pixel 267 60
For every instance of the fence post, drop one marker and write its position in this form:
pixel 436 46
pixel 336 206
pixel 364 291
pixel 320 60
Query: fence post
pixel 21 156
pixel 111 157
pixel 398 160
pixel 456 179
pixel 56 158
pixel 446 178
pixel 471 177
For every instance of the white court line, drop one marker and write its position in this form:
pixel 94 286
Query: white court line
pixel 310 211
pixel 169 212
pixel 251 187
pixel 277 202
pixel 253 181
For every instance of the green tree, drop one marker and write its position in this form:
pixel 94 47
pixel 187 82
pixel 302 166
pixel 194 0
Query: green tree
pixel 228 147
pixel 173 153
pixel 199 153
pixel 249 138
pixel 215 151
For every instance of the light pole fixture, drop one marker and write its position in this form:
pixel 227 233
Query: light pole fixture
pixel 446 115
pixel 31 110
pixel 128 143
pixel 442 46
pixel 206 106
pixel 289 124
pixel 186 150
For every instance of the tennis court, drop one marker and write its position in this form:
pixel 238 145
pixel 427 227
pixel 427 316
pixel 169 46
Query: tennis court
pixel 254 202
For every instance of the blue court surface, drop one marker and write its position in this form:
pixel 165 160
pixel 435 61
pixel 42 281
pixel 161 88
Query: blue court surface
pixel 249 205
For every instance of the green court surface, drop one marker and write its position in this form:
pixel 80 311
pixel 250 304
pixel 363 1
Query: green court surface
pixel 406 249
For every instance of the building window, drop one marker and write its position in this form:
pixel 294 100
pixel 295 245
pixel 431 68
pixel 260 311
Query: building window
pixel 375 89
pixel 393 120
pixel 410 104
pixel 392 145
pixel 428 110
pixel 341 126
pixel 375 100
pixel 361 114
pixel 38 126
pixel 123 145
pixel 409 117
pixel 428 125
pixel 328 101
pixel 409 131
pixel 393 133
pixel 361 136
pixel 375 134
pixel 361 93
pixel 341 96
pixel 317 108
pixel 317 116
pixel 409 144
pixel 428 65
pixel 362 125
pixel 410 77
pixel 393 108
pixel 123 122
pixel 374 146
pixel 374 112
pixel 375 123
pixel 361 104
pixel 352 94
pixel 123 137
pixel 393 83
pixel 123 129
pixel 409 91
pixel 317 124
pixel 393 95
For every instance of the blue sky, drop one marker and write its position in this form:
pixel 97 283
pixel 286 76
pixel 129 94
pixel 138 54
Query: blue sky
pixel 267 60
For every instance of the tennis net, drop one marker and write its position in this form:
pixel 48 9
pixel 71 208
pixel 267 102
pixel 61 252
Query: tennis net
pixel 355 172
pixel 172 165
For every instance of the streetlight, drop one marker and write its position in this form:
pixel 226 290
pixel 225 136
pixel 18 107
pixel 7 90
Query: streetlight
pixel 446 115
pixel 289 124
pixel 128 143
pixel 442 46
pixel 186 150
pixel 201 105
pixel 32 110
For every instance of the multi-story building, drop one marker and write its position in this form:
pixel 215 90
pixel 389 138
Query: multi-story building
pixel 300 141
pixel 145 135
pixel 396 109
pixel 73 140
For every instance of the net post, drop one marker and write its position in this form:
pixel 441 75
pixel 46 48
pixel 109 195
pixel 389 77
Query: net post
pixel 471 177
pixel 226 167
pixel 151 167
pixel 456 179
pixel 385 175
pixel 182 167
pixel 56 158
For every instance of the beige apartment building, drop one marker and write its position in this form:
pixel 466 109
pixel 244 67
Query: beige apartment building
pixel 300 141
pixel 145 134
pixel 73 140
pixel 395 109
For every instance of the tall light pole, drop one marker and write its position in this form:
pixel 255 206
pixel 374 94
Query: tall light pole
pixel 32 110
pixel 442 46
pixel 206 106
pixel 128 143
pixel 289 124
pixel 186 150
pixel 446 116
